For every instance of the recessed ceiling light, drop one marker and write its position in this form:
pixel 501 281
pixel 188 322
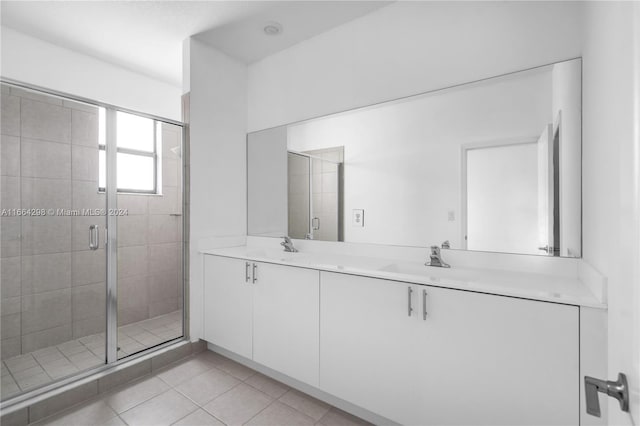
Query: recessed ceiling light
pixel 272 28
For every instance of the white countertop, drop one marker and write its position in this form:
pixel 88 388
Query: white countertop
pixel 548 288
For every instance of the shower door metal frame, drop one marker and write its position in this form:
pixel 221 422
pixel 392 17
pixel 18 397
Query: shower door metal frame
pixel 112 363
pixel 111 190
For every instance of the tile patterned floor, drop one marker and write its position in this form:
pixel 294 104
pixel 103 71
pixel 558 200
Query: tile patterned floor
pixel 28 371
pixel 206 389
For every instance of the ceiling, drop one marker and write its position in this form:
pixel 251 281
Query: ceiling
pixel 147 36
pixel 300 20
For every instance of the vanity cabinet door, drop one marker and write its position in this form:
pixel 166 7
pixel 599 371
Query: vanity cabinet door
pixel 475 359
pixel 228 304
pixel 495 360
pixel 369 344
pixel 286 320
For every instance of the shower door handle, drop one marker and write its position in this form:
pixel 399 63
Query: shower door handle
pixel 94 237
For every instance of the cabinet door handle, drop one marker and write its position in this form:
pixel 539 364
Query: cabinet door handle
pixel 255 275
pixel 424 304
pixel 246 272
pixel 409 308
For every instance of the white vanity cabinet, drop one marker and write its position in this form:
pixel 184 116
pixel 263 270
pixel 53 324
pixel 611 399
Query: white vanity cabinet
pixel 228 304
pixel 265 312
pixel 474 359
pixel 286 321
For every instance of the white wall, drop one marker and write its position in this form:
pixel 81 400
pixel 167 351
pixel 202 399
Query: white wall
pixel 408 48
pixel 611 165
pixel 37 62
pixel 218 127
pixel 402 160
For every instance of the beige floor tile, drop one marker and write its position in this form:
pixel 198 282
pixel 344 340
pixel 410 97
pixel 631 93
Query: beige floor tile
pixel 48 355
pixel 225 398
pixel 163 409
pixel 85 360
pixel 238 405
pixel 207 386
pixel 32 371
pixel 116 421
pixel 34 381
pixel 130 395
pixel 81 356
pixel 305 404
pixel 236 370
pixel 59 368
pixel 199 418
pixel 92 413
pixel 267 385
pixel 62 372
pixel 8 388
pixel 212 357
pixel 179 372
pixel 72 348
pixel 337 417
pixel 278 414
pixel 21 362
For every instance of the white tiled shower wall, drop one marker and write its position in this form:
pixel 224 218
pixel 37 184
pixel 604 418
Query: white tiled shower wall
pixel 52 286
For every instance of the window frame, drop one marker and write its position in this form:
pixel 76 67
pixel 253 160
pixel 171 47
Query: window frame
pixel 153 154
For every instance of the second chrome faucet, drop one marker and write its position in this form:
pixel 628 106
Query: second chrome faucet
pixel 435 258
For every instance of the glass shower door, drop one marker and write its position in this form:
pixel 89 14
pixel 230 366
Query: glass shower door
pixel 149 229
pixel 75 296
pixel 53 280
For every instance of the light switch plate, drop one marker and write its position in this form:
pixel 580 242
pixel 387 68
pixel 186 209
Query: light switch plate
pixel 358 217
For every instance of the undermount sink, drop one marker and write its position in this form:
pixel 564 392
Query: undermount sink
pixel 415 268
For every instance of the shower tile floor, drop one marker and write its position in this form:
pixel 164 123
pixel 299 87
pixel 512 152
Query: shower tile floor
pixel 28 371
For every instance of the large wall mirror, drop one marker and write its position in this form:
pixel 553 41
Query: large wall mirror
pixel 493 165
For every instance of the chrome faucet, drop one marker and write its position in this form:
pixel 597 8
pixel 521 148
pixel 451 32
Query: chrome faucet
pixel 436 258
pixel 288 245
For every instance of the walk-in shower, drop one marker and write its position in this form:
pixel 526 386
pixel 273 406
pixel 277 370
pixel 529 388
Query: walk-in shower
pixel 92 202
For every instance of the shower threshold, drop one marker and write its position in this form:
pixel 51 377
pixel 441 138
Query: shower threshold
pixel 34 369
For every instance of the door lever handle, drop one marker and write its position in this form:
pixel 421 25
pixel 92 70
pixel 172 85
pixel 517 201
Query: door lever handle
pixel 618 390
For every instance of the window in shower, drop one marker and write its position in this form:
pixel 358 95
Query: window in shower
pixel 56 270
pixel 138 141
